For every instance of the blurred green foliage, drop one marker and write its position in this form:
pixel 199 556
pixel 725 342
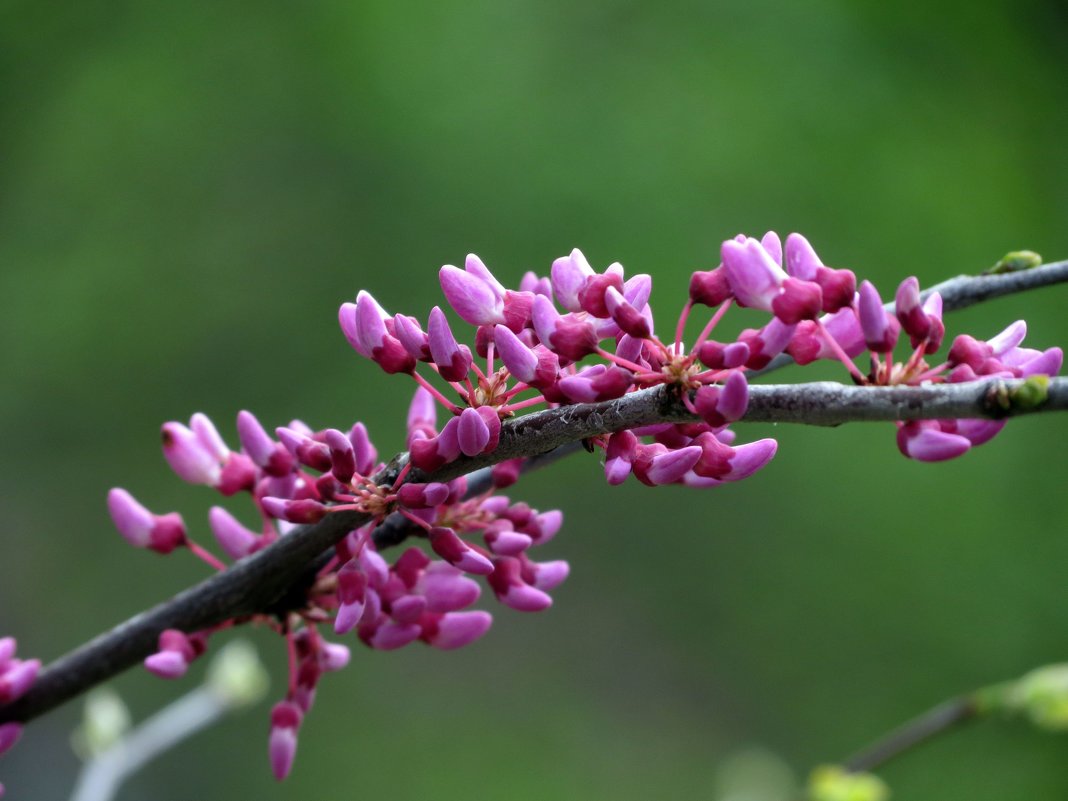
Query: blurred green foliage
pixel 188 191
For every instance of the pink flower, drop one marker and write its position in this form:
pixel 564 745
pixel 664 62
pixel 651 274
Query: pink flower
pixel 286 718
pixel 141 528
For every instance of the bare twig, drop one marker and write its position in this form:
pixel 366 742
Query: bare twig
pixel 933 722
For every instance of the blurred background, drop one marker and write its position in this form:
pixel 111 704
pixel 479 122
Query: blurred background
pixel 189 190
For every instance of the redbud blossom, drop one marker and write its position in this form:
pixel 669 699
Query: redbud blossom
pixel 286 718
pixel 141 528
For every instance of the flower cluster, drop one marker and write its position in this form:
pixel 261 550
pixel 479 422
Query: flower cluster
pixel 16 677
pixel 602 345
pixel 867 325
pixel 299 477
pixel 574 336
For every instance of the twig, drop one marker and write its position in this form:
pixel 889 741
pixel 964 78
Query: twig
pixel 918 730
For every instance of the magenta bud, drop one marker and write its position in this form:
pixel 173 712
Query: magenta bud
pixel 374 566
pixel 412 337
pixel 422 412
pixel 342 456
pixel 799 300
pixel 546 525
pixel 472 433
pixel 734 398
pixel 629 319
pixel 880 331
pixel 751 457
pixel 458 553
pixel 238 474
pixel 407 609
pixel 421 496
pixel 506 473
pixel 455 629
pixel 620 455
pixel 520 360
pixel 718 356
pixel 571 337
pixel 715 461
pixel 970 351
pixel 839 287
pixel 17 678
pixel 390 636
pixel 979 432
pixel 476 300
pixel 518 307
pixel 264 451
pixel 452 359
pixel 1047 362
pixel 364 450
pixel 925 441
pixel 549 575
pixel 409 567
pixel 909 312
pixel 507 582
pixel 597 383
pixel 446 588
pixel 167 664
pixel 334 656
pixel 373 339
pixel 346 317
pixel 710 287
pixel 9 735
pixel 592 294
pixel 141 528
pixel 706 401
pixel 208 435
pixel 530 282
pixel 669 467
pixel 347 617
pixel 236 540
pixel 307 451
pixel 286 718
pixel 301 511
pixel 132 520
pixel 257 444
pixel 8 646
pixel 801 260
pixel 430 454
pixel 932 307
pixel 568 277
pixel 188 456
pixel 754 276
pixel 766 343
pixel 506 541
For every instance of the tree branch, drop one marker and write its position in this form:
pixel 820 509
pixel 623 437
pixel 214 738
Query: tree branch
pixel 917 731
pixel 256 583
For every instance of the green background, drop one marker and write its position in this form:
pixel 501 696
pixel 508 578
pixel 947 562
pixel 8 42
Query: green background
pixel 189 190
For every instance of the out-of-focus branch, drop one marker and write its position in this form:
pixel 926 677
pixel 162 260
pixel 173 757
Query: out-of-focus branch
pixel 920 729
